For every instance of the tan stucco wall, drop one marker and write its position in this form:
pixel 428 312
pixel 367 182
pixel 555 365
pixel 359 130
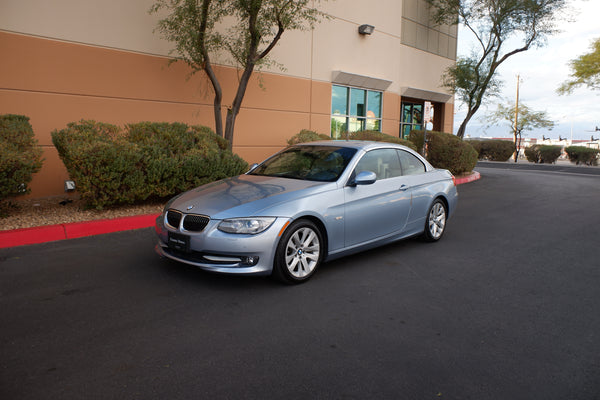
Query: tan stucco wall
pixel 55 83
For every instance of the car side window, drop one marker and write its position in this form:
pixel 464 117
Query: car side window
pixel 411 165
pixel 384 162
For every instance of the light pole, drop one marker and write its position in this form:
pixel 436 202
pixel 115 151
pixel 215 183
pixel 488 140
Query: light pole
pixel 517 144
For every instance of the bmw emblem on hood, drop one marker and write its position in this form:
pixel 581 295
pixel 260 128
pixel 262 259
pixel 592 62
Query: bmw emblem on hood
pixel 189 207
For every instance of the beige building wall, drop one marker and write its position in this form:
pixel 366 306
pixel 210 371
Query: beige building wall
pixel 67 60
pixel 119 24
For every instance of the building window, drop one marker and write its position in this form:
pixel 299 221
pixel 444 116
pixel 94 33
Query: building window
pixel 419 30
pixel 412 118
pixel 354 110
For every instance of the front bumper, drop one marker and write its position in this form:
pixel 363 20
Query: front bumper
pixel 216 251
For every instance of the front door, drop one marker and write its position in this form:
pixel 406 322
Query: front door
pixel 382 208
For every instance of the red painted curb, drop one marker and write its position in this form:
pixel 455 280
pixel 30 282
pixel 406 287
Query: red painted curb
pixel 466 179
pixel 89 228
pixel 51 233
pixel 40 234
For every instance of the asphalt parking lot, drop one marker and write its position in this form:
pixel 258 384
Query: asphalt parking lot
pixel 505 306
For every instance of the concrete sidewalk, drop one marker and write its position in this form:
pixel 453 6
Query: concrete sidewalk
pixel 51 233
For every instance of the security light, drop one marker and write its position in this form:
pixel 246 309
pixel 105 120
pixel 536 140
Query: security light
pixel 69 186
pixel 366 29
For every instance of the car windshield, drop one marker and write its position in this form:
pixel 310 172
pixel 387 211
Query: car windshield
pixel 312 163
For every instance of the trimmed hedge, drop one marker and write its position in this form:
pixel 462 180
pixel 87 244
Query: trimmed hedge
pixel 305 136
pixel 446 151
pixel 20 156
pixel 380 137
pixel 493 149
pixel 583 155
pixel 113 166
pixel 543 154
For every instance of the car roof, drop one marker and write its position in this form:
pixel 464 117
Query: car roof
pixel 355 144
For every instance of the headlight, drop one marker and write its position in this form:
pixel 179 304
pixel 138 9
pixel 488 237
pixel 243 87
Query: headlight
pixel 246 225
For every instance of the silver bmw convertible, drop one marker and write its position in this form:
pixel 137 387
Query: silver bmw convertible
pixel 307 204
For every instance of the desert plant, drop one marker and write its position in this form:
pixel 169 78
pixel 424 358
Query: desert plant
pixel 543 154
pixel 106 168
pixel 493 149
pixel 121 166
pixel 380 137
pixel 446 151
pixel 311 136
pixel 306 135
pixel 582 155
pixel 20 156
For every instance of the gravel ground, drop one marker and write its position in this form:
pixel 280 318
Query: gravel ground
pixel 60 210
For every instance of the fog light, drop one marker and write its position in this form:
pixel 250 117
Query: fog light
pixel 250 260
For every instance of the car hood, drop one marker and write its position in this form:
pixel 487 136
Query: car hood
pixel 244 195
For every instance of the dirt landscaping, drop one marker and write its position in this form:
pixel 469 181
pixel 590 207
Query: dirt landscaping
pixel 29 213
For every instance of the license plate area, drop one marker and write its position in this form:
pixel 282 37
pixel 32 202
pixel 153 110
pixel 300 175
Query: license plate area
pixel 179 242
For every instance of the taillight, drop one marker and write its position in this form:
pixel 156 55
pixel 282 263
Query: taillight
pixel 453 179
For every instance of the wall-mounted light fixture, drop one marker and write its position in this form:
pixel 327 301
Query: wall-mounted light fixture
pixel 69 186
pixel 366 29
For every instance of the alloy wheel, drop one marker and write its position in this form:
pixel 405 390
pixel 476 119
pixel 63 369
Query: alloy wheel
pixel 437 220
pixel 302 252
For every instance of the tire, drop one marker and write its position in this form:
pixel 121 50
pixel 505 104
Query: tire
pixel 435 223
pixel 299 252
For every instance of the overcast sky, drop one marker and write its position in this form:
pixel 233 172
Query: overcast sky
pixel 542 70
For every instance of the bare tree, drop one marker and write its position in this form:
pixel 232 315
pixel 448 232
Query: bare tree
pixel 194 26
pixel 502 28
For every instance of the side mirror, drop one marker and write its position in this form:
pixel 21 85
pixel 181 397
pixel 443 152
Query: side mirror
pixel 365 178
pixel 252 168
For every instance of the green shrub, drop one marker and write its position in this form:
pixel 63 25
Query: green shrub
pixel 543 154
pixel 380 137
pixel 582 155
pixel 446 151
pixel 106 168
pixel 493 149
pixel 178 157
pixel 305 136
pixel 531 154
pixel 115 166
pixel 20 157
pixel 309 136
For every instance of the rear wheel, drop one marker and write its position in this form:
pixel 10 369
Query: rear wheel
pixel 299 252
pixel 435 225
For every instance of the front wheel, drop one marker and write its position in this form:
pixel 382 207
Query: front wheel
pixel 435 225
pixel 299 252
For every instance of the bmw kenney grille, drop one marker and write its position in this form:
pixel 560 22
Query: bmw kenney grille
pixel 191 222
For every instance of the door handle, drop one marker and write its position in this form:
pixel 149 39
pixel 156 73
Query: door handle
pixel 403 188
